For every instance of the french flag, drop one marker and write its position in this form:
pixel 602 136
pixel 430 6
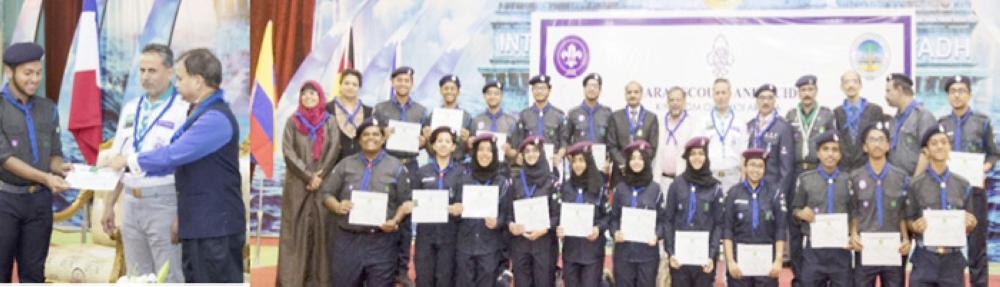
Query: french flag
pixel 85 107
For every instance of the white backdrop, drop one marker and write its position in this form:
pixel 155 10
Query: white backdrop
pixel 663 49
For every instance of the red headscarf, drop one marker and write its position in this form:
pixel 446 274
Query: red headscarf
pixel 311 121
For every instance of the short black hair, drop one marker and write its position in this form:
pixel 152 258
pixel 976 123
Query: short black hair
pixel 350 72
pixel 163 50
pixel 201 62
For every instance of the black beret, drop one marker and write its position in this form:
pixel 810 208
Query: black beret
pixel 369 123
pixel 540 79
pixel 901 78
pixel 765 87
pixel 449 78
pixel 805 80
pixel 492 84
pixel 20 53
pixel 878 126
pixel 402 70
pixel 828 136
pixel 594 76
pixel 931 132
pixel 958 79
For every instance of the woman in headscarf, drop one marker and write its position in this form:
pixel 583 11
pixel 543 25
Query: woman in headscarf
pixel 480 241
pixel 636 260
pixel 583 256
pixel 349 112
pixel 310 147
pixel 533 250
pixel 694 207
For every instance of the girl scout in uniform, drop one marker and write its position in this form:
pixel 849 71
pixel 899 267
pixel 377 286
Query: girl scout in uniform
pixel 533 253
pixel 635 264
pixel 583 257
pixel 694 204
pixel 754 214
pixel 480 242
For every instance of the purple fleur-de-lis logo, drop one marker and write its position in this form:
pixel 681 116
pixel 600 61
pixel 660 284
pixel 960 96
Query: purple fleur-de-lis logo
pixel 571 56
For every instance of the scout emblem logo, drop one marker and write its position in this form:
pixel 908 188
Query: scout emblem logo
pixel 572 56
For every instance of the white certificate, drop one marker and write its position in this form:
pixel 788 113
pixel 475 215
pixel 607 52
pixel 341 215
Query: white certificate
pixel 969 166
pixel 754 259
pixel 430 206
pixel 549 150
pixel 532 213
pixel 405 137
pixel 829 231
pixel 88 177
pixel 480 201
pixel 501 139
pixel 452 118
pixel 600 153
pixel 638 225
pixel 577 219
pixel 880 249
pixel 945 228
pixel 369 208
pixel 691 247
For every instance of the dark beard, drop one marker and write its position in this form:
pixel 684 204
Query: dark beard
pixel 19 89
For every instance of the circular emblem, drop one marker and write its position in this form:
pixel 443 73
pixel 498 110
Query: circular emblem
pixel 571 56
pixel 870 56
pixel 582 118
pixel 862 184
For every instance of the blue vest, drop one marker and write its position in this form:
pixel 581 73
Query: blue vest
pixel 209 199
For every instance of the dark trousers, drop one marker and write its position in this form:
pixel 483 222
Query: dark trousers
pixel 435 262
pixel 534 262
pixel 978 267
pixel 688 276
pixel 364 259
pixel 25 232
pixel 826 267
pixel 406 227
pixel 476 270
pixel 580 274
pixel 635 274
pixel 931 269
pixel 888 276
pixel 756 281
pixel 214 259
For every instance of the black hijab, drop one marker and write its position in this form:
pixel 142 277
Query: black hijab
pixel 591 179
pixel 701 177
pixel 540 172
pixel 641 178
pixel 485 173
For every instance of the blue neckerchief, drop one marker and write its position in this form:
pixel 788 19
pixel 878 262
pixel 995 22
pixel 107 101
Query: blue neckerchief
pixel 528 192
pixel 28 121
pixel 590 118
pixel 309 126
pixel 759 133
pixel 879 178
pixel 636 191
pixel 494 118
pixel 853 113
pixel 959 122
pixel 579 195
pixel 672 131
pixel 369 166
pixel 829 185
pixel 941 179
pixel 403 108
pixel 540 125
pixel 754 204
pixel 441 173
pixel 692 204
pixel 200 109
pixel 136 135
pixel 724 133
pixel 900 120
pixel 348 115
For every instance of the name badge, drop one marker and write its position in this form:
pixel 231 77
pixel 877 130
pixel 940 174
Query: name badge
pixel 165 124
pixel 741 201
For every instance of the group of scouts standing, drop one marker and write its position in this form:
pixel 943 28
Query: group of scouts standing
pixel 753 179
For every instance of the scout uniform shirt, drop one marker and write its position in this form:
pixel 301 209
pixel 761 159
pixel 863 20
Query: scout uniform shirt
pixel 776 138
pixel 928 190
pixel 879 198
pixel 581 250
pixel 547 123
pixel 649 197
pixel 411 112
pixel 975 135
pixel 384 174
pixel 28 131
pixel 822 192
pixel 694 208
pixel 807 126
pixel 586 124
pixel 755 216
pixel 905 141
pixel 728 141
pixel 500 122
pixel 146 125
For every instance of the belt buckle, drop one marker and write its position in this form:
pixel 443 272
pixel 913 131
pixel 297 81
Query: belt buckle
pixel 940 250
pixel 722 173
pixel 136 193
pixel 805 166
pixel 32 188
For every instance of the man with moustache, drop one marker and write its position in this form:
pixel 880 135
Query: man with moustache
pixel 852 116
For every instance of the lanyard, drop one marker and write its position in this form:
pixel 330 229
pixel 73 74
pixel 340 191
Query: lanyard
pixel 672 131
pixel 808 121
pixel 138 138
pixel 528 192
pixel 724 133
pixel 633 127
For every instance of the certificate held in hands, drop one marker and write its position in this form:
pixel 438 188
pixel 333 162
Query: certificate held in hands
pixel 577 219
pixel 829 231
pixel 638 225
pixel 969 165
pixel 480 201
pixel 754 259
pixel 945 228
pixel 451 118
pixel 691 247
pixel 880 249
pixel 405 137
pixel 88 177
pixel 532 213
pixel 430 206
pixel 369 208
